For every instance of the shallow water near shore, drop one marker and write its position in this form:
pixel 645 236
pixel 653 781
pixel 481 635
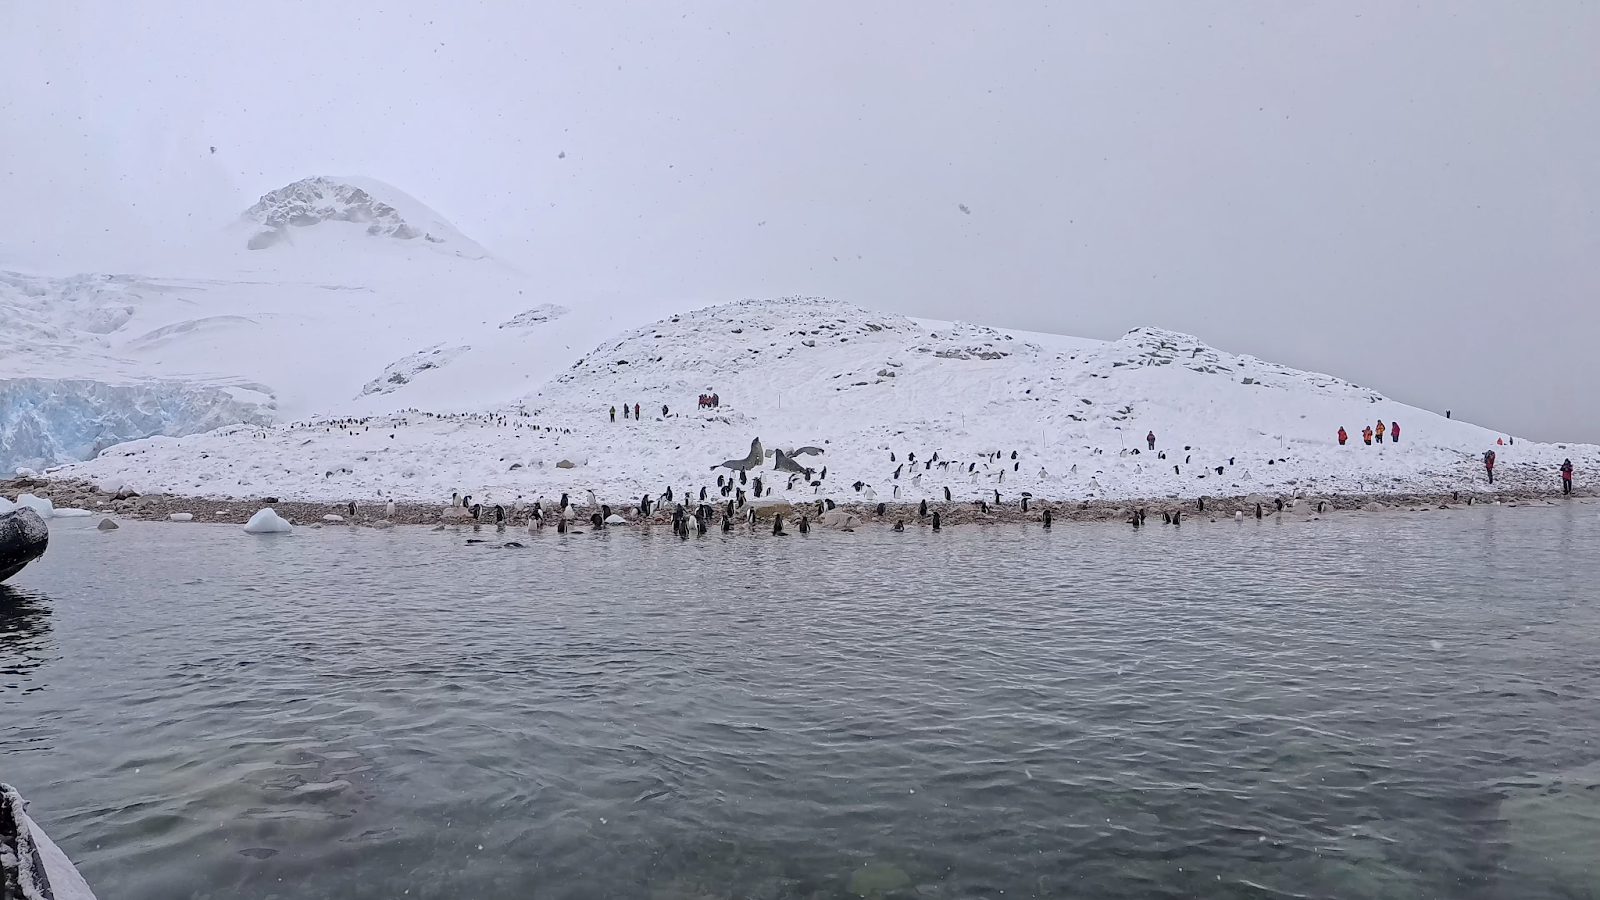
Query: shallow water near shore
pixel 1395 705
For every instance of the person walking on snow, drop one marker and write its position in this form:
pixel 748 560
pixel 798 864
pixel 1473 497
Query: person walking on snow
pixel 624 410
pixel 1394 432
pixel 1366 435
pixel 613 413
pixel 1379 433
pixel 1151 438
pixel 636 410
pixel 1342 436
pixel 1488 464
pixel 1566 477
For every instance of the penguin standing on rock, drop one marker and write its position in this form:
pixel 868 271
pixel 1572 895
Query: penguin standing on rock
pixel 947 495
pixel 1258 510
pixel 388 510
pixel 935 521
pixel 922 509
pixel 881 508
pixel 805 525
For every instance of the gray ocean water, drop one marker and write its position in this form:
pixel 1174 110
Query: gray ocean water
pixel 1403 705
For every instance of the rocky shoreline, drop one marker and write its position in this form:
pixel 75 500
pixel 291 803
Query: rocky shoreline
pixel 374 513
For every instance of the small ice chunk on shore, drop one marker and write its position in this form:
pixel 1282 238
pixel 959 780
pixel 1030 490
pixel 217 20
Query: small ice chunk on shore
pixel 40 505
pixel 267 521
pixel 181 517
pixel 72 512
pixel 333 517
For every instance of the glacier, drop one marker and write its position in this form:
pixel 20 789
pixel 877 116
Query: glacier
pixel 50 421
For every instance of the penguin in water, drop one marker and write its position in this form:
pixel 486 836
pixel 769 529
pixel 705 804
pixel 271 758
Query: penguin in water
pixel 1177 517
pixel 922 509
pixel 499 516
pixel 899 524
pixel 1047 518
pixel 352 509
pixel 935 521
pixel 700 524
pixel 727 523
pixel 805 526
pixel 1258 510
pixel 881 508
pixel 561 525
pixel 1166 517
pixel 596 522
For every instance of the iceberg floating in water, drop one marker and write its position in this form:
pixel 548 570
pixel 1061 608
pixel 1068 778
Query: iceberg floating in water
pixel 267 521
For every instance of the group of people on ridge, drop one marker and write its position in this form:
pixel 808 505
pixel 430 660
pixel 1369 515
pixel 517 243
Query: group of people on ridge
pixel 1368 433
pixel 635 411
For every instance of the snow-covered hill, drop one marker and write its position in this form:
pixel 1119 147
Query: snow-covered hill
pixel 374 209
pixel 900 408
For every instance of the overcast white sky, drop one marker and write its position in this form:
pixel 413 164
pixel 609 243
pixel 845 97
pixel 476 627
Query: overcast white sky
pixel 1404 195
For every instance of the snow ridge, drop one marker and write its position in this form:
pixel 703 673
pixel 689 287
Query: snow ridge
pixel 384 210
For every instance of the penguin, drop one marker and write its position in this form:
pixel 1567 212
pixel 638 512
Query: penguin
pixel 756 483
pixel 881 508
pixel 1238 515
pixel 996 498
pixel 388 510
pixel 1047 518
pixel 1142 512
pixel 928 465
pixel 947 495
pixel 727 523
pixel 1230 460
pixel 1166 517
pixel 565 502
pixel 702 495
pixel 561 525
pixel 739 496
pixel 1135 520
pixel 858 486
pixel 1258 510
pixel 805 525
pixel 1177 517
pixel 597 522
pixel 668 495
pixel 743 478
pixel 719 482
pixel 1202 502
pixel 1279 501
pixel 899 524
pixel 1024 503
pixel 605 510
pixel 829 503
pixel 593 501
pixel 1174 470
pixel 644 505
pixel 1219 470
pixel 935 521
pixel 922 509
pixel 911 457
pixel 700 524
pixel 1319 506
pixel 751 514
pixel 985 505
pixel 476 509
pixel 897 492
pixel 824 473
pixel 1013 454
pixel 935 457
pixel 1186 459
pixel 352 509
pixel 897 471
pixel 728 510
pixel 499 514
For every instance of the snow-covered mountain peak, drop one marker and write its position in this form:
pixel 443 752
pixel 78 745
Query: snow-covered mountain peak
pixel 379 210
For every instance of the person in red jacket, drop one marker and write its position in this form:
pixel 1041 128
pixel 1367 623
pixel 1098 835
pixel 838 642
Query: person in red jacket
pixel 1151 438
pixel 1366 435
pixel 1566 477
pixel 1394 432
pixel 1342 436
pixel 1488 464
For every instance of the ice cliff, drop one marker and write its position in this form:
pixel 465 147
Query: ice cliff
pixel 46 421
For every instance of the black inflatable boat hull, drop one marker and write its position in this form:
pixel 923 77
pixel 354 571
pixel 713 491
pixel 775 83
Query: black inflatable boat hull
pixel 23 537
